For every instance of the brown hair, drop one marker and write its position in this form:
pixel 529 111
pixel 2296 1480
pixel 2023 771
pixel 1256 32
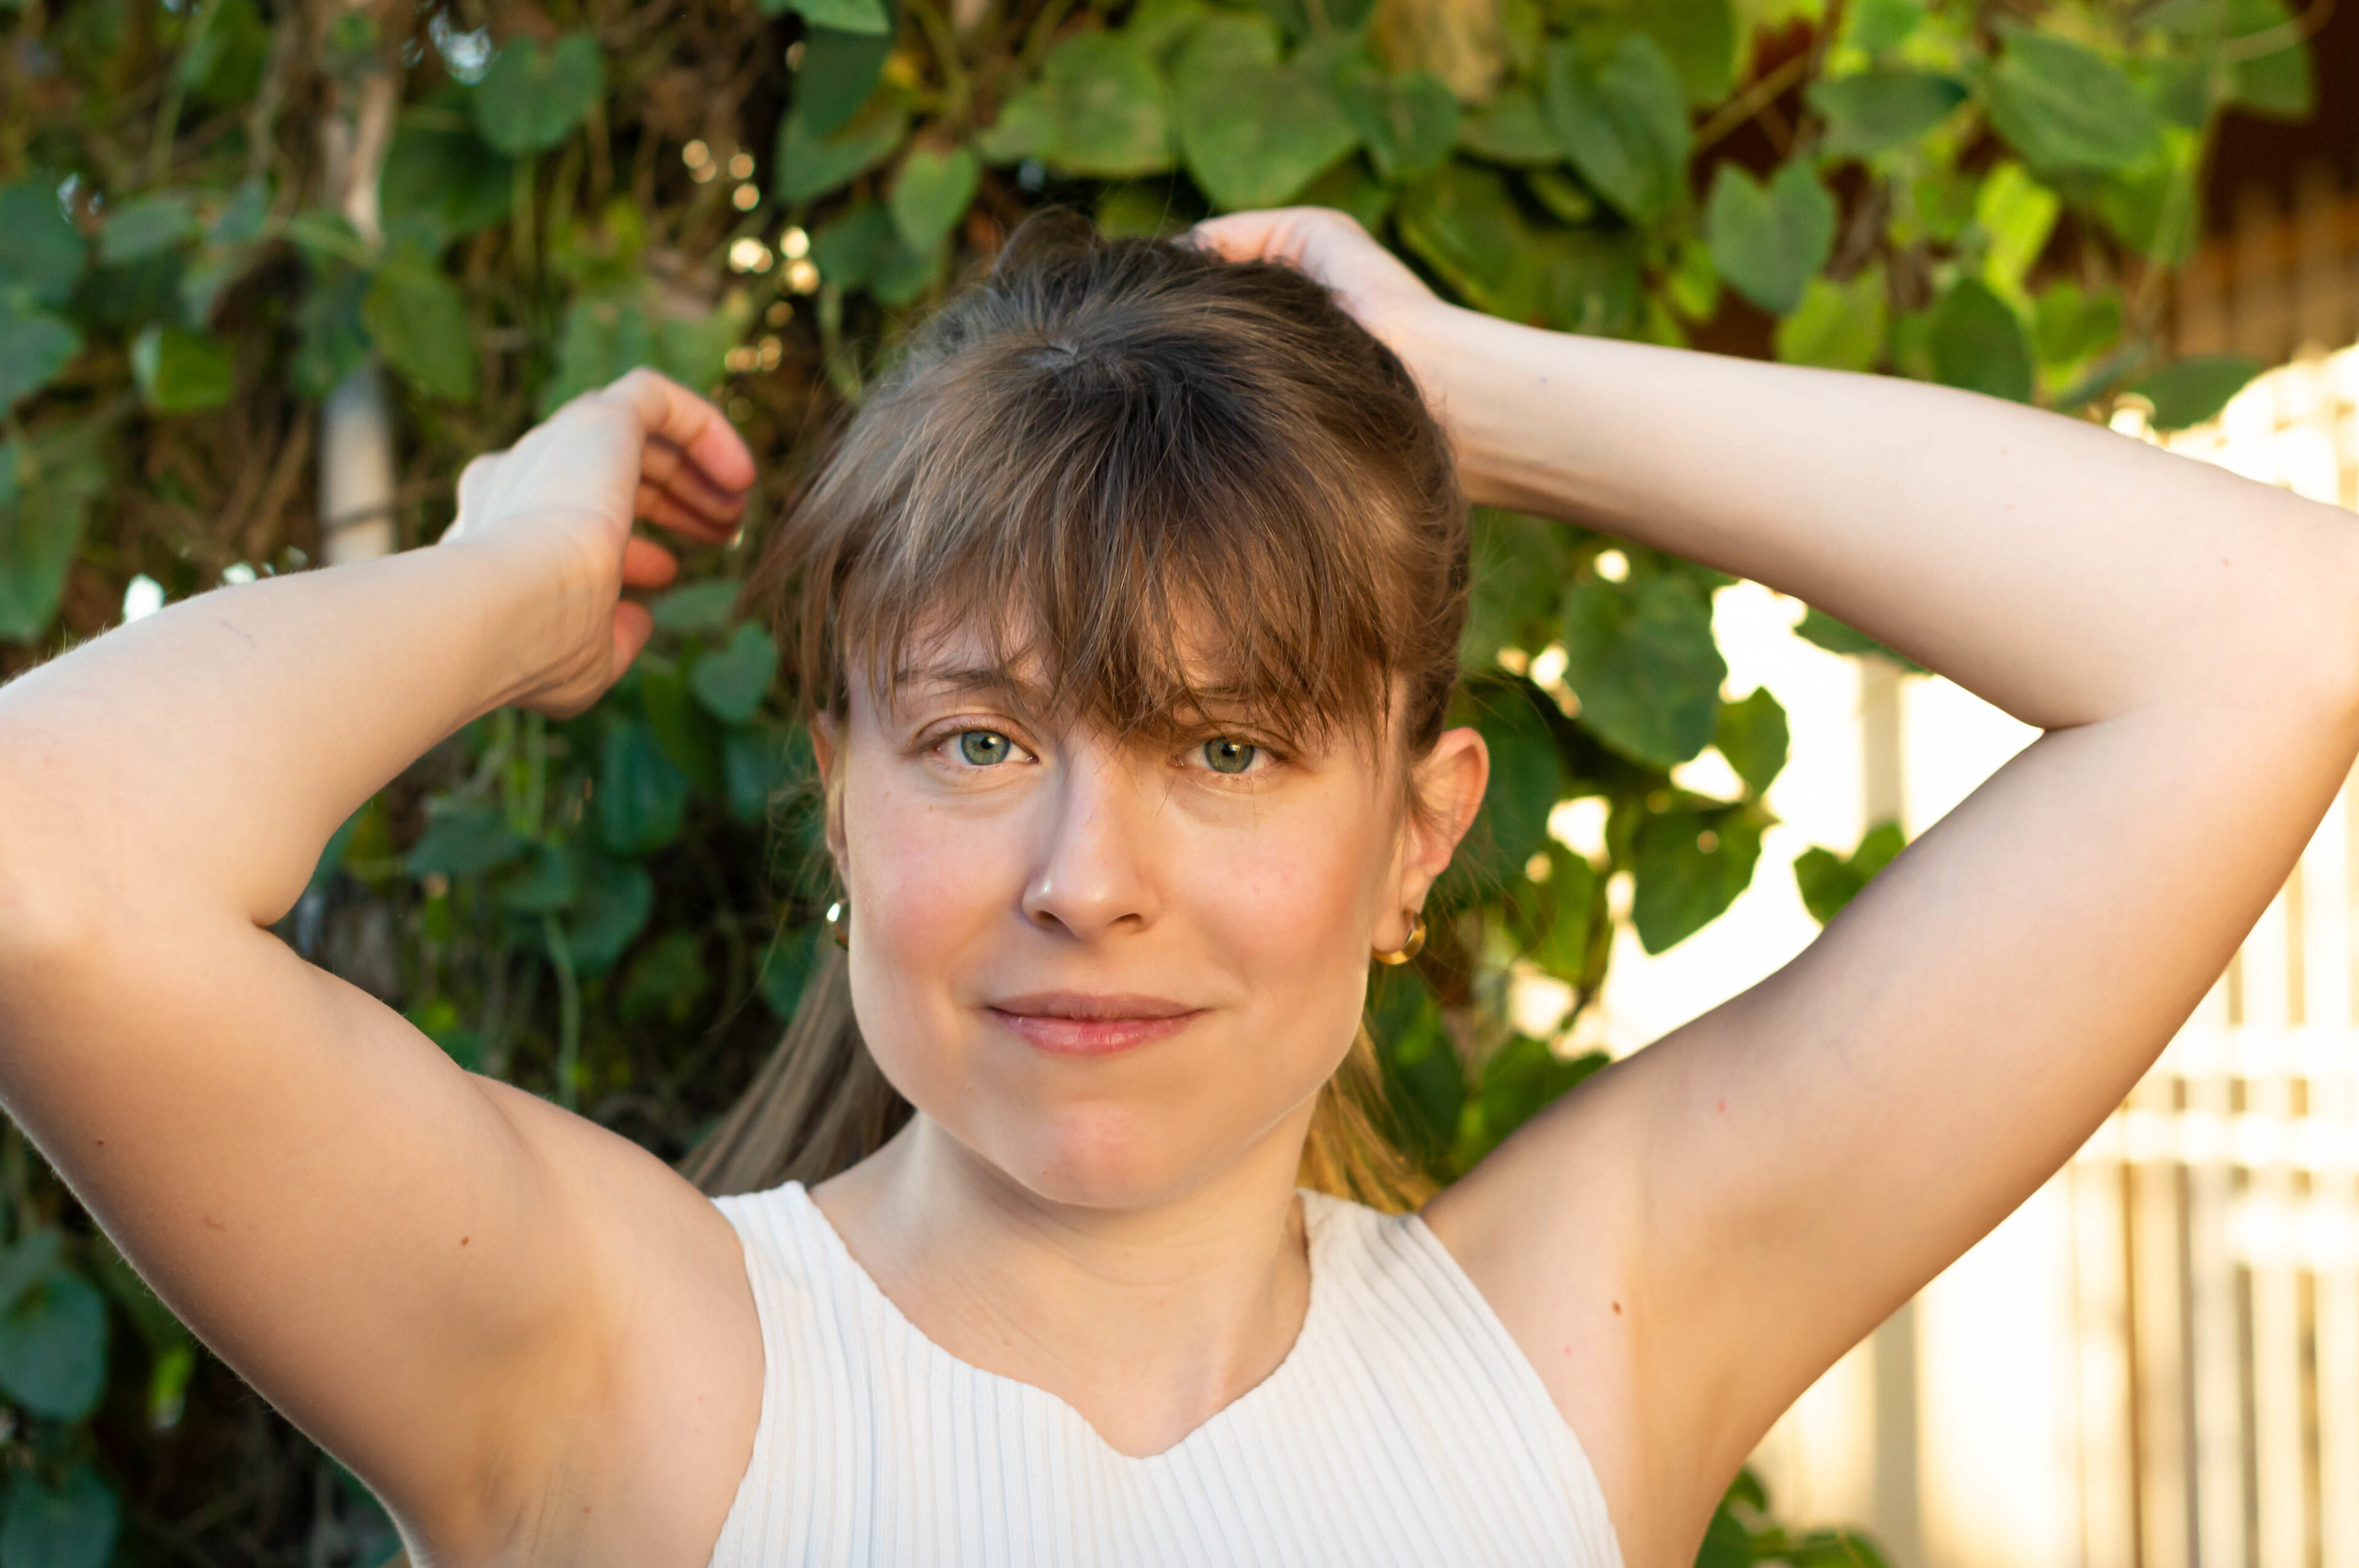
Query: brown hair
pixel 1105 446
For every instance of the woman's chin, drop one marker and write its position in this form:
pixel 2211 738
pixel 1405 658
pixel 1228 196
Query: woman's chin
pixel 1105 1159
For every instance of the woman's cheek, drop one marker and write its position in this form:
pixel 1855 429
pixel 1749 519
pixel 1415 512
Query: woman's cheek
pixel 927 890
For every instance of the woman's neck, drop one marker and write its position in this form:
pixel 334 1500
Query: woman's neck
pixel 1146 1321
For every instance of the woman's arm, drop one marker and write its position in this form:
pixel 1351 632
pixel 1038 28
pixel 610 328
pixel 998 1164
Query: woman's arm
pixel 1684 1245
pixel 427 1271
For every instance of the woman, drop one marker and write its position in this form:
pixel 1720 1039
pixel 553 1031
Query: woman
pixel 1128 613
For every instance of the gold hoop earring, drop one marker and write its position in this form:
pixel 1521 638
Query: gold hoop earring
pixel 1409 949
pixel 839 921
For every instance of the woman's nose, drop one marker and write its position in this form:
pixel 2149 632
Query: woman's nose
pixel 1094 874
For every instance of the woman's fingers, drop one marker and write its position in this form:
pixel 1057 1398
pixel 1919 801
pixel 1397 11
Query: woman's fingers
pixel 691 425
pixel 1327 246
pixel 665 510
pixel 647 564
pixel 634 624
pixel 663 468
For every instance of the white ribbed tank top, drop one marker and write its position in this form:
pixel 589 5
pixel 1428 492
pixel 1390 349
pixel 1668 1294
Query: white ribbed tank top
pixel 1405 1426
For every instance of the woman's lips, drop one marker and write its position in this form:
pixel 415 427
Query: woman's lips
pixel 1069 1023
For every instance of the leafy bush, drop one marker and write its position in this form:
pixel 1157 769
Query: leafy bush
pixel 618 910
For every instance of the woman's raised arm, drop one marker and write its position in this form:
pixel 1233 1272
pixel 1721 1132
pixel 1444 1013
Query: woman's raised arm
pixel 1684 1244
pixel 428 1271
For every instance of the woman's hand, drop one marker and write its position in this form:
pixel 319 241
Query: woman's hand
pixel 1332 248
pixel 643 447
pixel 1369 282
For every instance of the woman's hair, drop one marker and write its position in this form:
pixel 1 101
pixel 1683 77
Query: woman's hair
pixel 1161 487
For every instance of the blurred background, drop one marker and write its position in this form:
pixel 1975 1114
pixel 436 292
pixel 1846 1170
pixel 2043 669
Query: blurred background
pixel 272 270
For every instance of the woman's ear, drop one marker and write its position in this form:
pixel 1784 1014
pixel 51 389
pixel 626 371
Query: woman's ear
pixel 826 755
pixel 1448 783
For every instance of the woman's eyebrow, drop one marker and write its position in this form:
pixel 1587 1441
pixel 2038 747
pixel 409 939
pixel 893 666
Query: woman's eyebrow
pixel 968 680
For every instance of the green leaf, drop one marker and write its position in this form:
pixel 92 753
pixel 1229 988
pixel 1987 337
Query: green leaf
pixel 1408 123
pixel 1565 196
pixel 45 497
pixel 933 193
pixel 531 98
pixel 53 1345
pixel 239 221
pixel 1567 948
pixel 1878 111
pixel 642 798
pixel 1252 133
pixel 1100 110
pixel 34 349
pixel 1752 736
pixel 73 1527
pixel 1518 562
pixel 1462 224
pixel 1726 1543
pixel 1141 210
pixel 754 763
pixel 606 334
pixel 1641 658
pixel 419 320
pixel 610 909
pixel 41 254
pixel 1827 882
pixel 1423 1078
pixel 225 66
pixel 1511 129
pixel 1526 778
pixel 182 373
pixel 1838 326
pixel 1688 868
pixel 845 15
pixel 1522 1078
pixel 1769 243
pixel 2069 326
pixel 731 682
pixel 1873 26
pixel 668 979
pixel 2190 391
pixel 693 350
pixel 543 881
pixel 1978 343
pixel 1701 38
pixel 2017 213
pixel 330 342
pixel 2281 83
pixel 1590 280
pixel 2156 208
pixel 786 967
pixel 693 607
pixel 146 225
pixel 1623 121
pixel 2064 106
pixel 442 185
pixel 1836 1549
pixel 809 166
pixel 683 728
pixel 839 70
pixel 461 840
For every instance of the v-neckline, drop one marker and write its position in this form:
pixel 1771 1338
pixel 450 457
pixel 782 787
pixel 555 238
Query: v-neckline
pixel 863 1284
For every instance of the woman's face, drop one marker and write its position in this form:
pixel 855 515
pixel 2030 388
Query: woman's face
pixel 1112 970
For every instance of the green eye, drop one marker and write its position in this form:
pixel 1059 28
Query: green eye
pixel 984 747
pixel 1228 756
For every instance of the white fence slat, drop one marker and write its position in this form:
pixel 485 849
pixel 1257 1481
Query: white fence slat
pixel 2158 1349
pixel 2216 1348
pixel 2101 1304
